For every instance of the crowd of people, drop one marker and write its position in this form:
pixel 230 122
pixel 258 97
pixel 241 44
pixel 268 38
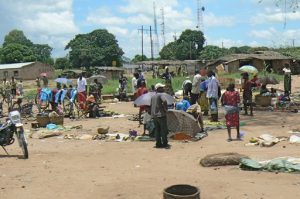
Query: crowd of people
pixel 87 103
pixel 201 97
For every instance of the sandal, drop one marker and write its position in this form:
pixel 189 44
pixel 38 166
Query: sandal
pixel 229 140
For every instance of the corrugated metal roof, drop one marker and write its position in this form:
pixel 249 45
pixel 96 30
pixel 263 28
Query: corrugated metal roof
pixel 15 65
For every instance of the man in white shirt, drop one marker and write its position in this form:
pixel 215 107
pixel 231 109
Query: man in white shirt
pixel 134 82
pixel 81 89
pixel 213 95
pixel 81 84
pixel 195 88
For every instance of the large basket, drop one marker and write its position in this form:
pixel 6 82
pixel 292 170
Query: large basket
pixel 263 100
pixel 43 120
pixel 58 120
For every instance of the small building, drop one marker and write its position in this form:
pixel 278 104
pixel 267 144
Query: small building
pixel 110 72
pixel 73 73
pixel 186 67
pixel 26 71
pixel 260 59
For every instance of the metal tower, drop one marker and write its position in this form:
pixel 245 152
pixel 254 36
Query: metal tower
pixel 200 10
pixel 156 39
pixel 162 25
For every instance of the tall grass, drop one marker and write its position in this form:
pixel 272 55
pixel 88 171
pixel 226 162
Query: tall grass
pixel 110 87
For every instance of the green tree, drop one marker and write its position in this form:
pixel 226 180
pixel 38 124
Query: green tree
pixel 42 52
pixel 15 40
pixel 168 51
pixel 16 37
pixel 16 53
pixel 188 46
pixel 62 63
pixel 98 48
pixel 212 52
pixel 139 58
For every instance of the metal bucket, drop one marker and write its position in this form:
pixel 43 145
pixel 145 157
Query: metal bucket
pixel 182 191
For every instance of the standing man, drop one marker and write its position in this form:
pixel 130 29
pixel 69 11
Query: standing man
pixel 247 95
pixel 159 107
pixel 45 81
pixel 38 82
pixel 134 82
pixel 81 89
pixel 13 87
pixel 287 79
pixel 213 95
pixel 195 88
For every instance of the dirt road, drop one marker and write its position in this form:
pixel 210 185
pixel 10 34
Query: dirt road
pixel 59 168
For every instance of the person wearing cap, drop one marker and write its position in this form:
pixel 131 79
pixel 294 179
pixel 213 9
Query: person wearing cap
pixel 159 108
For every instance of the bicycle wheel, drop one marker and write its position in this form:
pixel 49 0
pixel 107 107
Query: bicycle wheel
pixel 22 142
pixel 67 106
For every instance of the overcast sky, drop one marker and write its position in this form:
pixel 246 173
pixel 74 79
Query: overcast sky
pixel 225 22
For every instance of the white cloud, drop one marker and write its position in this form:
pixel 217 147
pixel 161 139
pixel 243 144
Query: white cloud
pixel 274 16
pixel 140 19
pixel 42 21
pixel 145 6
pixel 263 34
pixel 117 30
pixel 275 37
pixel 211 20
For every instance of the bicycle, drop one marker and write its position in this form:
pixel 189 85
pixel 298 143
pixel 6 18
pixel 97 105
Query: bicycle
pixel 6 98
pixel 76 109
pixel 26 107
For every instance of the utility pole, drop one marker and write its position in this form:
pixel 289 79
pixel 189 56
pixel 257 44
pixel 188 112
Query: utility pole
pixel 142 31
pixel 163 26
pixel 151 42
pixel 156 39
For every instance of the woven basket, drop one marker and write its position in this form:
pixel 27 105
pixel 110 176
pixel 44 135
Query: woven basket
pixel 58 120
pixel 43 120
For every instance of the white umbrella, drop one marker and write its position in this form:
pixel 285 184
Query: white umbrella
pixel 145 99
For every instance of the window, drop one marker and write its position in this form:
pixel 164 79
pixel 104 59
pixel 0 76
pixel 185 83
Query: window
pixel 5 73
pixel 16 73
